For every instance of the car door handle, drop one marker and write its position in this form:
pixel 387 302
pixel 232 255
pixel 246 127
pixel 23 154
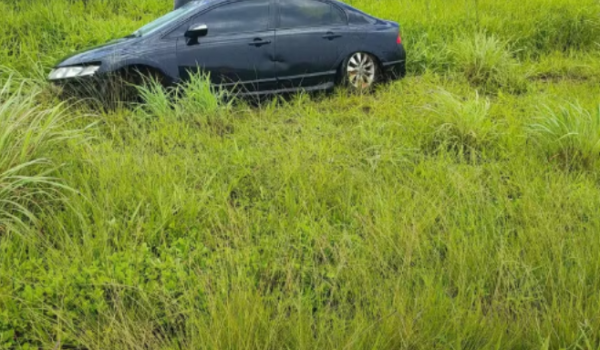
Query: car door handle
pixel 258 42
pixel 331 36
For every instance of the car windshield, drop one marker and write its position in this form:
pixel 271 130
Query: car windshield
pixel 169 17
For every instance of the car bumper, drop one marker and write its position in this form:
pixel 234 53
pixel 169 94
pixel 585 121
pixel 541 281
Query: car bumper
pixel 395 67
pixel 104 88
pixel 395 70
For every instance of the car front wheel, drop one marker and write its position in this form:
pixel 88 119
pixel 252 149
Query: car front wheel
pixel 360 71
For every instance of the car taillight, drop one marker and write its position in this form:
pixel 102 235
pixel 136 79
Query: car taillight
pixel 399 40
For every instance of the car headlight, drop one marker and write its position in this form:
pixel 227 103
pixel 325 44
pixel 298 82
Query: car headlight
pixel 72 72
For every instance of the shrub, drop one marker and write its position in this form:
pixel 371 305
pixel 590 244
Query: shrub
pixel 570 136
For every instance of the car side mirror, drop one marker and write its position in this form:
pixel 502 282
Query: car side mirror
pixel 196 31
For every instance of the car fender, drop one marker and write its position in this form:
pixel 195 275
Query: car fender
pixel 169 74
pixel 368 40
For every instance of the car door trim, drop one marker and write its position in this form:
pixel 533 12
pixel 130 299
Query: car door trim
pixel 311 75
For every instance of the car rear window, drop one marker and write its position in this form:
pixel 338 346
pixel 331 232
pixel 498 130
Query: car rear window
pixel 338 16
pixel 358 18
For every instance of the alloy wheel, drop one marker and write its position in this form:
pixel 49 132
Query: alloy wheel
pixel 361 70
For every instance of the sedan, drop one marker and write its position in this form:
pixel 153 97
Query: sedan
pixel 253 47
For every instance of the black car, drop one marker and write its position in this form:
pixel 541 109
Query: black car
pixel 257 46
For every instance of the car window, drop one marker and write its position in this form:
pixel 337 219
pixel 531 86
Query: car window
pixel 308 13
pixel 170 17
pixel 358 18
pixel 338 16
pixel 238 17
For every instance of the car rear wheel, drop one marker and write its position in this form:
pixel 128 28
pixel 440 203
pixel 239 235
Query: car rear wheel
pixel 361 71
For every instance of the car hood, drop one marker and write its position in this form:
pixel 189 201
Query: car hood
pixel 106 52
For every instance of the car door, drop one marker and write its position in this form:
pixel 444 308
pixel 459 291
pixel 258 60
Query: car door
pixel 238 49
pixel 307 41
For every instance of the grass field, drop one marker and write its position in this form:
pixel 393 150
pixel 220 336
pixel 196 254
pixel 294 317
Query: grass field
pixel 454 209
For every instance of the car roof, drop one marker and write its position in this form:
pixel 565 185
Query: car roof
pixel 208 3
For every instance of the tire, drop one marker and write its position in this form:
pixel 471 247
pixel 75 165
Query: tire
pixel 360 72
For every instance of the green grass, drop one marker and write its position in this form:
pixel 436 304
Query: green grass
pixel 454 209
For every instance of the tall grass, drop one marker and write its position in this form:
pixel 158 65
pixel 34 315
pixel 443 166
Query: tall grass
pixel 464 127
pixel 570 136
pixel 28 135
pixel 196 102
pixel 196 97
pixel 487 63
pixel 426 215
